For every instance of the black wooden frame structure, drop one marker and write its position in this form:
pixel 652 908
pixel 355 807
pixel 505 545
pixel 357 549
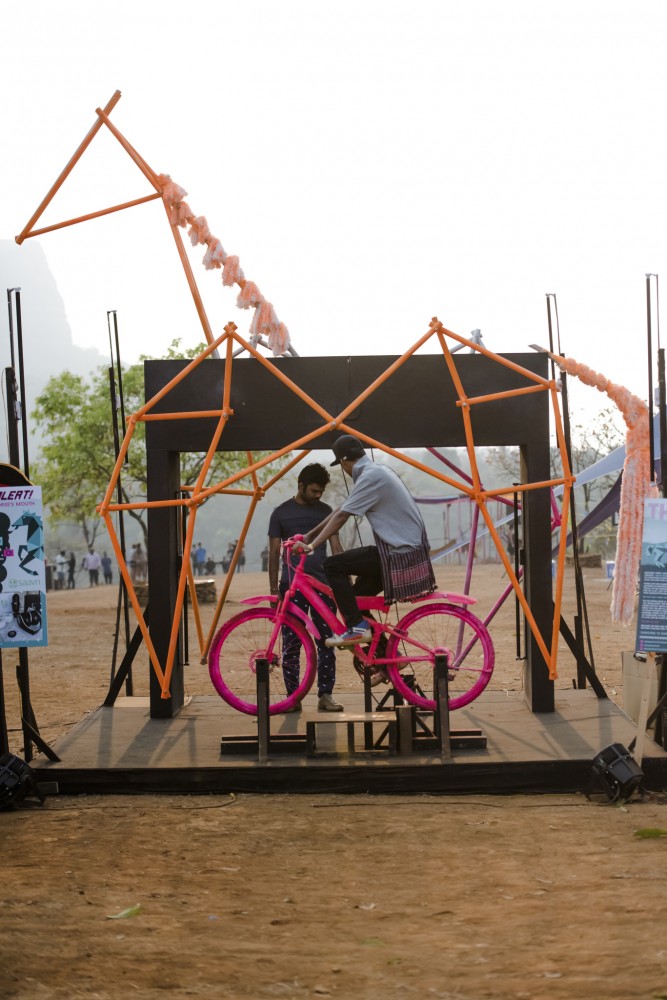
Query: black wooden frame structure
pixel 415 407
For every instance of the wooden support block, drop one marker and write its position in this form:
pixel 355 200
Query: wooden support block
pixel 365 719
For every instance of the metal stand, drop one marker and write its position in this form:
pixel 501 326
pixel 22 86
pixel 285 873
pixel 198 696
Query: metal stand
pixel 263 742
pixel 441 720
pixel 263 730
pixel 441 737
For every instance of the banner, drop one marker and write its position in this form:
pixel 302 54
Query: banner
pixel 652 610
pixel 22 573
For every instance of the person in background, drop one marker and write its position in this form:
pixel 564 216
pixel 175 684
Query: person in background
pixel 61 570
pixel 71 570
pixel 199 560
pixel 140 564
pixel 92 562
pixel 107 572
pixel 295 517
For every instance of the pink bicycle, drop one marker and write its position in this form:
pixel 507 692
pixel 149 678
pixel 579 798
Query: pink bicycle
pixel 283 635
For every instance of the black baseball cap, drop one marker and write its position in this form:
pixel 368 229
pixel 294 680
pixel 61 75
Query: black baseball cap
pixel 347 446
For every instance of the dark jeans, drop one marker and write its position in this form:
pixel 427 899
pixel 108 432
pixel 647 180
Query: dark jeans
pixel 326 657
pixel 364 563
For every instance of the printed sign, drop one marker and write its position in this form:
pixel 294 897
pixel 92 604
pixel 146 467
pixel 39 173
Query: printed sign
pixel 652 612
pixel 22 574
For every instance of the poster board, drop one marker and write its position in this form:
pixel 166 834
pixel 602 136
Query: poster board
pixel 22 572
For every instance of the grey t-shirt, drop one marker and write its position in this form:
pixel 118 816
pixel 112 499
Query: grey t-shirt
pixel 382 496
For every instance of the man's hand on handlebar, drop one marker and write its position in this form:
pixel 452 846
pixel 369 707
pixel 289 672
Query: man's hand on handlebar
pixel 297 543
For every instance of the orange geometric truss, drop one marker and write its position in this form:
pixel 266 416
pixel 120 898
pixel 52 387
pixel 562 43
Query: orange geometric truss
pixel 201 491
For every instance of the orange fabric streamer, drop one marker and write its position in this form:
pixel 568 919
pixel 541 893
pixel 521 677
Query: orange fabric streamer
pixel 635 488
pixel 265 321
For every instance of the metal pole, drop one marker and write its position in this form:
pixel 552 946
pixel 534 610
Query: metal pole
pixel 650 375
pixel 662 419
pixel 4 734
pixel 24 416
pixel 115 400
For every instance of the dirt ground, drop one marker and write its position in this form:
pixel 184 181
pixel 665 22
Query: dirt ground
pixel 350 896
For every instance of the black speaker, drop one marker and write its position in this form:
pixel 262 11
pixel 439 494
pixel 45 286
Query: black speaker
pixel 617 771
pixel 17 782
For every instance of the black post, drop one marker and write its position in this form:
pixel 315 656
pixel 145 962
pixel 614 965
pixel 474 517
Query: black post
pixel 23 415
pixel 4 733
pixel 16 412
pixel 650 376
pixel 517 567
pixel 662 419
pixel 441 719
pixel 263 732
pixel 117 400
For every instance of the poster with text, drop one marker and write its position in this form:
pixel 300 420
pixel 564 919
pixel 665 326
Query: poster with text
pixel 22 573
pixel 652 610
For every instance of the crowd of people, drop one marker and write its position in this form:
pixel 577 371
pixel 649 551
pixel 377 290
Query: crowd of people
pixel 99 568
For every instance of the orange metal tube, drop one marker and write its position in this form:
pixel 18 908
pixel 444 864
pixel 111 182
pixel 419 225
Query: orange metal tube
pixel 560 579
pixel 91 215
pixel 495 357
pixel 133 598
pixel 185 415
pixel 222 423
pixel 179 378
pixel 524 487
pixel 290 465
pixel 383 378
pixel 560 437
pixel 509 569
pixel 504 395
pixel 262 462
pixel 194 601
pixel 440 476
pixel 287 381
pixel 465 410
pixel 228 579
pixel 190 278
pixel 255 481
pixel 147 171
pixel 178 604
pixel 143 505
pixel 71 163
pixel 125 444
pixel 231 493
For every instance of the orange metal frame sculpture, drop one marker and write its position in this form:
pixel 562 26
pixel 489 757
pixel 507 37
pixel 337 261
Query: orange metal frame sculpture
pixel 201 491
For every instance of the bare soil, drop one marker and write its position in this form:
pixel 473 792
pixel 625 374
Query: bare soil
pixel 299 896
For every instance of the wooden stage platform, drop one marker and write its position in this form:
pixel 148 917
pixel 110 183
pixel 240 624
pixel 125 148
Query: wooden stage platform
pixel 123 750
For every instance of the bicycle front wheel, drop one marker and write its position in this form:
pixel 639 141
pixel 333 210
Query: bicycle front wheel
pixel 246 638
pixel 440 629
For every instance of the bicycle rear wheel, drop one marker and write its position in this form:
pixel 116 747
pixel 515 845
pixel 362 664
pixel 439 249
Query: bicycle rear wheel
pixel 242 641
pixel 442 628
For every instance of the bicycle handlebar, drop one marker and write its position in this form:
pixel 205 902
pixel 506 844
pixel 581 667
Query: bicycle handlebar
pixel 289 543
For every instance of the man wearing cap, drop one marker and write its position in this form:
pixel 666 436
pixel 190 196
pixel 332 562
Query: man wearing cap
pixel 398 563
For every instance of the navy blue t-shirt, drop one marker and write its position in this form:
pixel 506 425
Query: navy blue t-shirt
pixel 292 518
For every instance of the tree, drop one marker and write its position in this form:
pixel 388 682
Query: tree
pixel 76 461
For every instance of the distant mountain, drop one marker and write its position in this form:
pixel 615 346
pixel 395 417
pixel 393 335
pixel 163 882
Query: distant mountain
pixel 47 338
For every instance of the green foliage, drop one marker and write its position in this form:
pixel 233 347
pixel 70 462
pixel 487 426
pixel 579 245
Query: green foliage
pixel 77 457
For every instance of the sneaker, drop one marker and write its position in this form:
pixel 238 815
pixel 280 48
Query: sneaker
pixel 294 708
pixel 356 634
pixel 326 703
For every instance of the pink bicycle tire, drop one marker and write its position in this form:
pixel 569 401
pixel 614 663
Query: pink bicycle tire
pixel 236 647
pixel 448 627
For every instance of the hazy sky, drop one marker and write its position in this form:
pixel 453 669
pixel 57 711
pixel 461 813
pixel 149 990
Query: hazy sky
pixel 372 163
